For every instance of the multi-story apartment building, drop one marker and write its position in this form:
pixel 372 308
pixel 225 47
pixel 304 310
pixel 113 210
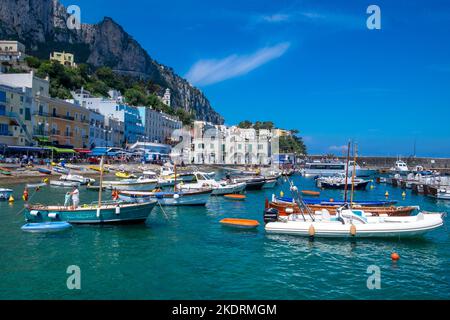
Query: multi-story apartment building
pixel 159 126
pixel 99 133
pixel 20 106
pixel 64 58
pixel 16 121
pixel 11 51
pixel 67 123
pixel 229 145
pixel 117 132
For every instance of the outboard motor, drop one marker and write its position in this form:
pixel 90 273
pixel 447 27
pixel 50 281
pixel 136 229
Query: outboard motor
pixel 271 215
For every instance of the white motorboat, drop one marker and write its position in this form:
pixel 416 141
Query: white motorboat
pixel 140 184
pixel 64 184
pixel 5 194
pixel 271 182
pixel 330 168
pixel 441 193
pixel 182 198
pixel 352 224
pixel 400 167
pixel 76 178
pixel 339 181
pixel 220 188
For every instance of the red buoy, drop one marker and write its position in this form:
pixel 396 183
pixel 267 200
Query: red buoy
pixel 395 256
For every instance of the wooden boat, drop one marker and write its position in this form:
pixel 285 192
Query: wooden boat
pixel 194 198
pixel 45 171
pixel 240 223
pixel 311 193
pixel 5 194
pixel 108 213
pixel 5 171
pixel 353 224
pixel 238 197
pixel 46 227
pixel 288 208
pixel 331 202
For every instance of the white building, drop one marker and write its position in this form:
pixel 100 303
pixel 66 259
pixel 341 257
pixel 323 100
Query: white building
pixel 228 145
pixel 11 51
pixel 158 125
pixel 167 98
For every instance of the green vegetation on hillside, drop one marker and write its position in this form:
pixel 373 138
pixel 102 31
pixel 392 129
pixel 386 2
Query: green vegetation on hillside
pixel 98 82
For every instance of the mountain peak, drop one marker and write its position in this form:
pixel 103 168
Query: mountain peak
pixel 40 24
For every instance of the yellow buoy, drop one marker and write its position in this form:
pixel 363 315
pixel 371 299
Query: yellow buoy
pixel 353 230
pixel 312 231
pixel 404 194
pixel 387 194
pixel 372 187
pixel 11 199
pixel 281 194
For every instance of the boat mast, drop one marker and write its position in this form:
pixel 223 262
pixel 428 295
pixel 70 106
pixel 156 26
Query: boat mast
pixel 355 152
pixel 346 174
pixel 175 176
pixel 101 186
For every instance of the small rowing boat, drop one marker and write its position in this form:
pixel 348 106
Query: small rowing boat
pixel 240 223
pixel 5 194
pixel 97 169
pixel 238 197
pixel 45 171
pixel 46 227
pixel 311 193
pixel 61 170
pixel 125 175
pixel 36 185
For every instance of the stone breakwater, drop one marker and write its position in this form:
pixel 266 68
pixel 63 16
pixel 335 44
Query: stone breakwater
pixel 442 164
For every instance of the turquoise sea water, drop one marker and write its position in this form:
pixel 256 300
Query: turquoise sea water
pixel 191 256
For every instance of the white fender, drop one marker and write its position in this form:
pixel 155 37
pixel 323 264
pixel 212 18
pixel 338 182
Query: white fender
pixel 117 210
pixel 53 215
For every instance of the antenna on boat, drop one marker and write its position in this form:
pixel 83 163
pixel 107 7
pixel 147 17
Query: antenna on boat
pixel 346 173
pixel 355 152
pixel 101 186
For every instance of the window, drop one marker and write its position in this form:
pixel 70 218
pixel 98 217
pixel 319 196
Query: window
pixel 260 147
pixel 240 147
pixel 2 110
pixel 27 114
pixel 3 129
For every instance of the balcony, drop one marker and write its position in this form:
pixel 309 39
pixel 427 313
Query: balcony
pixel 6 134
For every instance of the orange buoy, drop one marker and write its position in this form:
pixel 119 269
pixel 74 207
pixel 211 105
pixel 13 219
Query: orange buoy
pixel 239 197
pixel 395 256
pixel 312 231
pixel 240 223
pixel 353 230
pixel 311 193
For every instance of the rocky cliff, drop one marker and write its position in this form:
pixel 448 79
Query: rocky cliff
pixel 41 26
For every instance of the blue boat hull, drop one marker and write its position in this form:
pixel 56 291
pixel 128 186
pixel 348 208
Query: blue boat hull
pixel 113 214
pixel 47 227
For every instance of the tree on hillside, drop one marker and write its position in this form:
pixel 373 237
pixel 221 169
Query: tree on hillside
pixel 245 124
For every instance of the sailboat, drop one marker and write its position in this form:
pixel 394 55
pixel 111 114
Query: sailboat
pixel 94 213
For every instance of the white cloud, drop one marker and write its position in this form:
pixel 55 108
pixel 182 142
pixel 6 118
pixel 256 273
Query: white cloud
pixel 206 72
pixel 279 17
pixel 337 148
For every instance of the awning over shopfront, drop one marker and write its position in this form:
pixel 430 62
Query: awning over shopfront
pixel 26 149
pixel 82 151
pixel 60 150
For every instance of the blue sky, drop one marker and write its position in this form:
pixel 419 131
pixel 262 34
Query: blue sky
pixel 309 65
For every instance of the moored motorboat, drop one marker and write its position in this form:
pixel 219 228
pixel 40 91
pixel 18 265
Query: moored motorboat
pixel 64 184
pixel 219 188
pixel 61 170
pixel 441 193
pixel 352 224
pixel 341 182
pixel 190 198
pixel 5 194
pixel 252 183
pixel 76 178
pixel 142 184
pixel 270 183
